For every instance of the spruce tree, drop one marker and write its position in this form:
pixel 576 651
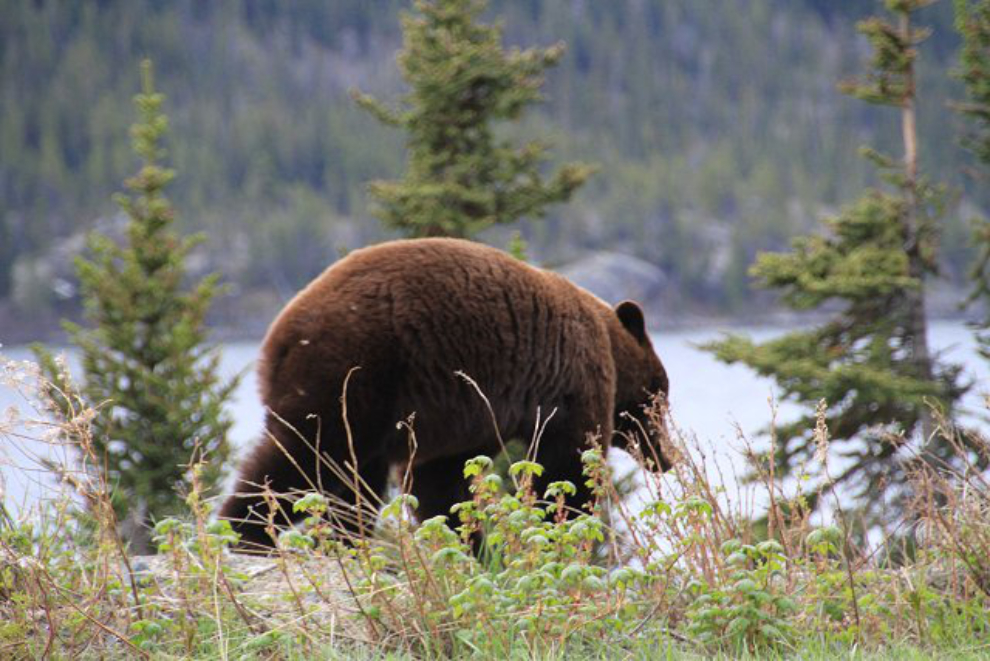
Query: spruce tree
pixel 460 177
pixel 147 365
pixel 871 363
pixel 973 24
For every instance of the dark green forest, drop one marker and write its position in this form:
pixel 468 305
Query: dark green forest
pixel 716 126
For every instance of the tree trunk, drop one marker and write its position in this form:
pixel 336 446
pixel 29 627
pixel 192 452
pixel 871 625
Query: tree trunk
pixel 917 322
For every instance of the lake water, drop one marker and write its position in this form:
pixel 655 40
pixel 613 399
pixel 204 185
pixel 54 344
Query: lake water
pixel 708 399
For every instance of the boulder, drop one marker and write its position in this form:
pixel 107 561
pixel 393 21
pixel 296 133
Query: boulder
pixel 615 277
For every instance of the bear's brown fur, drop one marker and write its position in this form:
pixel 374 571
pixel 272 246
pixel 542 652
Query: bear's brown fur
pixel 410 314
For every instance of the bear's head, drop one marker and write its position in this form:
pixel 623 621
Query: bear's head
pixel 640 379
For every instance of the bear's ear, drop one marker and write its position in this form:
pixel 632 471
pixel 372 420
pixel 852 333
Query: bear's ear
pixel 631 316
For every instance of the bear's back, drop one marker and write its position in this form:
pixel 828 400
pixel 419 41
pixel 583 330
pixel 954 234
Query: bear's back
pixel 432 287
pixel 424 309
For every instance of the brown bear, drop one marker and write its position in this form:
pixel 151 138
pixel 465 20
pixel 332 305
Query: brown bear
pixel 411 315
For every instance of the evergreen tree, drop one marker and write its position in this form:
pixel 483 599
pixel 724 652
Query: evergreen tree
pixel 147 365
pixel 973 24
pixel 460 177
pixel 871 363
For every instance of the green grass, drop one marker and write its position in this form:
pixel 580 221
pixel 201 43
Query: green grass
pixel 684 576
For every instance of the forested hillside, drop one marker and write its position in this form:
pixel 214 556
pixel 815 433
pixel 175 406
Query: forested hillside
pixel 717 128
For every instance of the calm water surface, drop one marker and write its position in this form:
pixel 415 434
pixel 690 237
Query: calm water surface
pixel 708 399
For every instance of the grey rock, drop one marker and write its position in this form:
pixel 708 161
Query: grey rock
pixel 615 277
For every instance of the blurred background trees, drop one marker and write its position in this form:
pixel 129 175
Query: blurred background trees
pixel 715 125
